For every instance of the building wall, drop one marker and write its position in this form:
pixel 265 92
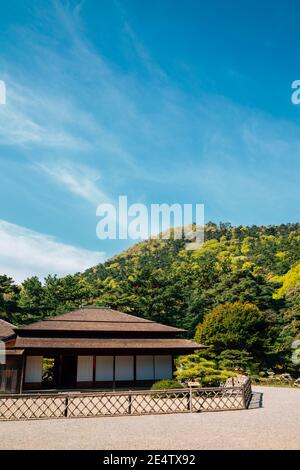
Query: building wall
pixel 105 370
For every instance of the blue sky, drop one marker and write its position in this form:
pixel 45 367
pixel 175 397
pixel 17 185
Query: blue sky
pixel 163 101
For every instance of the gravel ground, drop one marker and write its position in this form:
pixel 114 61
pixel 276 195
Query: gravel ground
pixel 273 422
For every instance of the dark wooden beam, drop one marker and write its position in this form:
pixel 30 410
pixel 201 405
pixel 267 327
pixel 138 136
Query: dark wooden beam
pixel 94 371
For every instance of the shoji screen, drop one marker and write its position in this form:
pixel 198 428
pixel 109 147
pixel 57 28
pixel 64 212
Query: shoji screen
pixel 124 368
pixel 85 369
pixel 144 368
pixel 163 367
pixel 104 368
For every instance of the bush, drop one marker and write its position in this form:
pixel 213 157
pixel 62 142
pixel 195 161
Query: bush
pixel 195 367
pixel 166 385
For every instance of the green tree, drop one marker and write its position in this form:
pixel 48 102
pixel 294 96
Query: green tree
pixel 9 293
pixel 288 281
pixel 244 285
pixel 31 300
pixel 234 326
pixel 234 359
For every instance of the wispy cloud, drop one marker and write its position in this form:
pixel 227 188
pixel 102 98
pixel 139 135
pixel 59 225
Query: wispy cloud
pixel 32 119
pixel 78 179
pixel 25 253
pixel 74 99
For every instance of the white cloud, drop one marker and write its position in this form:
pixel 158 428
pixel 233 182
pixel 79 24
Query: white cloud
pixel 80 180
pixel 29 118
pixel 25 253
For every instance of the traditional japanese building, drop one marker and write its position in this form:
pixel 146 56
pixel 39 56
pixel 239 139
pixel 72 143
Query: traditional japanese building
pixel 91 347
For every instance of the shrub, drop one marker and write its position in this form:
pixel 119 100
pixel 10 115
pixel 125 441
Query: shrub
pixel 193 367
pixel 166 385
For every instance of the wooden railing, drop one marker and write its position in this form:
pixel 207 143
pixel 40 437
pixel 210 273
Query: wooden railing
pixel 75 405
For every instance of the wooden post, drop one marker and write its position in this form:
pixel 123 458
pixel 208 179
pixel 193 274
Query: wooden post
pixel 60 370
pixel 134 369
pixel 94 371
pixel 129 403
pixel 173 366
pixel 114 373
pixel 22 374
pixel 66 407
pixel 191 400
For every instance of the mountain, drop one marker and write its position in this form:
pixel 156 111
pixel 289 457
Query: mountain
pixel 163 281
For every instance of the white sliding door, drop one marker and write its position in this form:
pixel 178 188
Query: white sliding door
pixel 163 367
pixel 144 368
pixel 104 368
pixel 124 368
pixel 85 369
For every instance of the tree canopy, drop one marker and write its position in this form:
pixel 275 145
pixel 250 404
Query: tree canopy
pixel 235 325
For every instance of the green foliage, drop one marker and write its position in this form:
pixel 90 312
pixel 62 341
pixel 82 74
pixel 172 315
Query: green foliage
pixel 233 326
pixel 166 385
pixel 288 327
pixel 234 359
pixel 292 314
pixel 195 367
pixel 9 293
pixel 48 370
pixel 31 299
pixel 288 281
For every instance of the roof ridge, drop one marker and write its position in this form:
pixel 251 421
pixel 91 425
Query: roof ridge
pixel 96 307
pixel 99 321
pixel 80 309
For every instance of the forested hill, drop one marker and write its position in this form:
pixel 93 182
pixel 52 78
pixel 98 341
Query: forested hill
pixel 161 280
